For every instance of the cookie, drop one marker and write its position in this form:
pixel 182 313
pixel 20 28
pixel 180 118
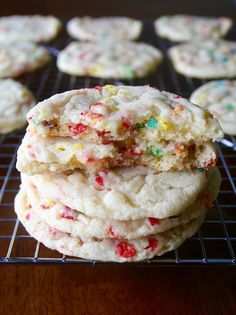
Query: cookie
pixel 117 60
pixel 180 28
pixel 56 154
pixel 34 28
pixel 219 97
pixel 15 102
pixel 21 57
pixel 67 220
pixel 205 59
pixel 158 129
pixel 123 193
pixel 104 28
pixel 103 249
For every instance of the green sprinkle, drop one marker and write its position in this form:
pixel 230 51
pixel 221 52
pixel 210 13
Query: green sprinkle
pixel 139 126
pixel 210 52
pixel 229 107
pixel 154 151
pixel 36 122
pixel 129 72
pixel 224 59
pixel 201 170
pixel 152 123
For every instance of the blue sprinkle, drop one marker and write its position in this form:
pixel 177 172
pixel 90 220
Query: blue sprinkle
pixel 152 123
pixel 219 83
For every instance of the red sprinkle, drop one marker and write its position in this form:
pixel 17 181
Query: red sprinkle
pixel 30 118
pixel 126 123
pixel 102 133
pixel 44 206
pixel 153 221
pixel 152 244
pixel 210 164
pixel 90 159
pixel 99 88
pixel 99 180
pixel 134 151
pixel 112 234
pixel 27 216
pixel 177 96
pixel 125 250
pixel 53 231
pixel 66 214
pixel 77 129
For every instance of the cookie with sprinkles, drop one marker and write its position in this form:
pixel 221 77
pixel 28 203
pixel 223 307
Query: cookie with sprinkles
pixel 21 57
pixel 145 126
pixel 205 59
pixel 32 28
pixel 102 249
pixel 130 193
pixel 104 28
pixel 15 102
pixel 74 222
pixel 57 154
pixel 219 97
pixel 118 60
pixel 181 28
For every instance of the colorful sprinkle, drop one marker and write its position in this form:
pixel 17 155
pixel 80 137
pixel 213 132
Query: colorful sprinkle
pixel 134 151
pixel 164 125
pixel 139 126
pixel 53 230
pixel 125 250
pixel 102 133
pixel 60 148
pixel 229 107
pixel 66 214
pixel 154 151
pixel 99 88
pixel 201 170
pixel 153 221
pixel 77 129
pixel 113 108
pixel 126 123
pixel 78 146
pixel 113 234
pixel 27 216
pixel 219 83
pixel 152 244
pixel 152 123
pixel 99 180
pixel 210 164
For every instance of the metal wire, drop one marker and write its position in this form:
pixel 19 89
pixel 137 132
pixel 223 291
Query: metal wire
pixel 215 243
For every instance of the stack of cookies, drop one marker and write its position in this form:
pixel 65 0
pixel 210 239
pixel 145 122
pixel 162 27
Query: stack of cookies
pixel 117 173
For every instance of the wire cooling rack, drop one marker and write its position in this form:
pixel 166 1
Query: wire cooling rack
pixel 215 243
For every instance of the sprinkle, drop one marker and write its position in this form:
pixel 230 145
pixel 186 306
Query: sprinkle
pixel 99 88
pixel 210 164
pixel 152 244
pixel 107 99
pixel 123 92
pixel 126 123
pixel 201 170
pixel 179 148
pixel 229 107
pixel 153 221
pixel 60 148
pixel 224 59
pixel 113 108
pixel 164 125
pixel 177 96
pixel 134 151
pixel 102 133
pixel 78 146
pixel 129 72
pixel 47 205
pixel 178 109
pixel 219 83
pixel 210 52
pixel 112 89
pixel 125 250
pixel 27 216
pixel 77 129
pixel 40 111
pixel 152 123
pixel 154 151
pixel 66 214
pixel 139 126
pixel 53 230
pixel 99 180
pixel 113 234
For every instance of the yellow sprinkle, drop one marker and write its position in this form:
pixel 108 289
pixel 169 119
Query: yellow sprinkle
pixel 78 146
pixel 107 99
pixel 112 89
pixel 123 92
pixel 50 203
pixel 113 108
pixel 60 148
pixel 40 111
pixel 110 86
pixel 107 126
pixel 163 123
